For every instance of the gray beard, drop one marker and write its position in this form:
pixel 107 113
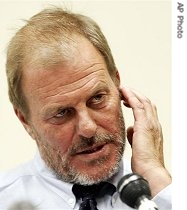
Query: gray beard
pixel 63 170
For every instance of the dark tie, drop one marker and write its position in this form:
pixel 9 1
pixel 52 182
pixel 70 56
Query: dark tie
pixel 89 193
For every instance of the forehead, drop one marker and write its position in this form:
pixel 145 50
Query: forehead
pixel 77 51
pixel 46 55
pixel 83 65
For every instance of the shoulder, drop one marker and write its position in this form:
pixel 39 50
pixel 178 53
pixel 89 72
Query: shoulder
pixel 21 172
pixel 19 184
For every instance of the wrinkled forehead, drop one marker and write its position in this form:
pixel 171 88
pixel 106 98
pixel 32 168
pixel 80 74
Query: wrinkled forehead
pixel 76 60
pixel 84 66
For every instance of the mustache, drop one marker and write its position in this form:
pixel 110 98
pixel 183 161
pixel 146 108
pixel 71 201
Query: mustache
pixel 97 139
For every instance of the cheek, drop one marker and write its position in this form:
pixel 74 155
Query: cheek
pixel 109 118
pixel 111 123
pixel 57 137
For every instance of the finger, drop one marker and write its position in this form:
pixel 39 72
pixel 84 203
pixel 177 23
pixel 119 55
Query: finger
pixel 131 100
pixel 155 110
pixel 141 105
pixel 149 107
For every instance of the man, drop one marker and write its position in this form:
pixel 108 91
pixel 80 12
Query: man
pixel 65 90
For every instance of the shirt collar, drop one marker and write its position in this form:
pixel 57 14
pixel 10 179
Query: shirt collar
pixel 64 189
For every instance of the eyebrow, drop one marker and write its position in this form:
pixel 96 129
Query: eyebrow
pixel 99 87
pixel 52 110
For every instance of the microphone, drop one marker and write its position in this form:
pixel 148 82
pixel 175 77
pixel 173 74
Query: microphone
pixel 135 192
pixel 22 205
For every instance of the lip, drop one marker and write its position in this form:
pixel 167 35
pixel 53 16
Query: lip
pixel 91 150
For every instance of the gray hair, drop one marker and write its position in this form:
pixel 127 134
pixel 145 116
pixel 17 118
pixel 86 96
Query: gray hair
pixel 51 28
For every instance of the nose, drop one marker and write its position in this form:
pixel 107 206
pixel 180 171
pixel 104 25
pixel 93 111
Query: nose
pixel 86 125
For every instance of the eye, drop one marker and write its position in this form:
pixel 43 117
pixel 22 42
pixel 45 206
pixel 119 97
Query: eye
pixel 98 98
pixel 64 113
pixel 98 101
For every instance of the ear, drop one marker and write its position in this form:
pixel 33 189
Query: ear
pixel 117 75
pixel 117 78
pixel 118 83
pixel 24 122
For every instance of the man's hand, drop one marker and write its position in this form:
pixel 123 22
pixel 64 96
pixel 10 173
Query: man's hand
pixel 146 140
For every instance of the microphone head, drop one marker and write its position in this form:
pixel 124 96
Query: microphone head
pixel 132 188
pixel 22 205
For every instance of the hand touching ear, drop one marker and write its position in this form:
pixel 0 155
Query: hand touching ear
pixel 146 140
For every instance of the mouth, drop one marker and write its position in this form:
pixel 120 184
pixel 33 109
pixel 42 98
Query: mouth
pixel 91 150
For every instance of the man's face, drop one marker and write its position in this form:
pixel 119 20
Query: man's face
pixel 75 116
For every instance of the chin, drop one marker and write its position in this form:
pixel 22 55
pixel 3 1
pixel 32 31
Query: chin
pixel 96 174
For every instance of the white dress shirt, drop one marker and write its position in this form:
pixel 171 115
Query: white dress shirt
pixel 35 183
